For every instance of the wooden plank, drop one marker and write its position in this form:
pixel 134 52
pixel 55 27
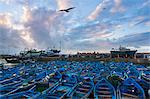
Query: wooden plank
pixel 130 95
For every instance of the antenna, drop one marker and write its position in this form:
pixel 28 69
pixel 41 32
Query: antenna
pixel 53 47
pixel 60 45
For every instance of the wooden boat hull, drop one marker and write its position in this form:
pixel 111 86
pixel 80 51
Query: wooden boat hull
pixel 104 90
pixel 45 87
pixel 83 90
pixel 18 91
pixel 64 88
pixel 131 89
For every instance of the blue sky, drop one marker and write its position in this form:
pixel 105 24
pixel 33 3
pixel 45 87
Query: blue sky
pixel 94 25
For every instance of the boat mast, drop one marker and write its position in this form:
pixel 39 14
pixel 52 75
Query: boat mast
pixel 60 46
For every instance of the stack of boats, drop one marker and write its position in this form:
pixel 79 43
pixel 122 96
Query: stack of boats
pixel 63 79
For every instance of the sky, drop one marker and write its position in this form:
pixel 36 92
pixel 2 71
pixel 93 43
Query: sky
pixel 93 25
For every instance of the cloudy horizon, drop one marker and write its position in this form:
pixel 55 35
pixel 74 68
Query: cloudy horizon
pixel 93 25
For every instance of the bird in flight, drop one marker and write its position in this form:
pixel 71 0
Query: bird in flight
pixel 67 10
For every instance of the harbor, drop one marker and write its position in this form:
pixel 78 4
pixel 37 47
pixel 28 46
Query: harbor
pixel 64 79
pixel 74 49
pixel 76 76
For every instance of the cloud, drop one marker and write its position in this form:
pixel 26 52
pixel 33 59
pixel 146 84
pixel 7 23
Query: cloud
pixel 91 36
pixel 5 19
pixel 63 4
pixel 147 3
pixel 6 1
pixel 136 20
pixel 117 6
pixel 26 14
pixel 47 27
pixel 99 9
pixel 117 2
pixel 90 30
pixel 9 37
pixel 145 21
pixel 139 39
pixel 40 25
pixel 91 44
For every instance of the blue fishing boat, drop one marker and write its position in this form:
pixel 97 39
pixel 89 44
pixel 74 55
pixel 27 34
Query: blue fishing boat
pixel 119 72
pixel 49 82
pixel 133 73
pixel 54 80
pixel 65 87
pixel 19 91
pixel 96 79
pixel 39 76
pixel 34 90
pixel 146 75
pixel 9 80
pixel 104 72
pixel 145 85
pixel 104 90
pixel 131 89
pixel 84 89
pixel 9 85
pixel 4 90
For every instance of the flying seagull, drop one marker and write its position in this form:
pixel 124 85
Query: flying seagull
pixel 67 10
